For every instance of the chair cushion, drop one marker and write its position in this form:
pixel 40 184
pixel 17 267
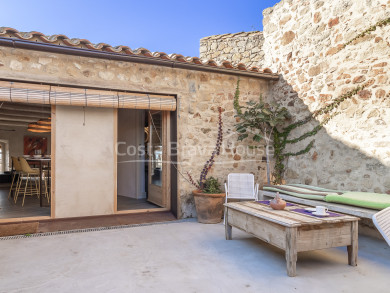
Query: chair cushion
pixel 377 201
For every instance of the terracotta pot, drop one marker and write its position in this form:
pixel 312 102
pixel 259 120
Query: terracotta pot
pixel 209 207
pixel 277 203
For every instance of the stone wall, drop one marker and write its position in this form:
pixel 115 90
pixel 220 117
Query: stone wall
pixel 244 47
pixel 199 95
pixel 304 43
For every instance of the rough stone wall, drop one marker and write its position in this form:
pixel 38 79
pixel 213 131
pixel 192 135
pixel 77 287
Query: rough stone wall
pixel 199 95
pixel 245 47
pixel 303 42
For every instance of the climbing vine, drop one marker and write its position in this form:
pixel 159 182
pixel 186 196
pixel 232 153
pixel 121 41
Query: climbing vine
pixel 368 31
pixel 281 137
pixel 236 103
pixel 264 119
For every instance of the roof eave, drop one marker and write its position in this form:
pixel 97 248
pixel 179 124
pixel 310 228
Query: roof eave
pixel 37 46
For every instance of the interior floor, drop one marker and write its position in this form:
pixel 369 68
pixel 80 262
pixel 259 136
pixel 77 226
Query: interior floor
pixel 127 203
pixel 31 208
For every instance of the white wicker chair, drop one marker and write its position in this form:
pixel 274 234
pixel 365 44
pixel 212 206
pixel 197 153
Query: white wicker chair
pixel 382 223
pixel 241 186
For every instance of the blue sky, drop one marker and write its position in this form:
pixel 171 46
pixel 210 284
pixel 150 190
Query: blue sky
pixel 168 26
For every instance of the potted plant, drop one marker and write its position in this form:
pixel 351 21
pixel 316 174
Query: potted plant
pixel 208 195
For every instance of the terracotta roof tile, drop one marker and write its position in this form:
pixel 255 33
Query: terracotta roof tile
pixel 7 32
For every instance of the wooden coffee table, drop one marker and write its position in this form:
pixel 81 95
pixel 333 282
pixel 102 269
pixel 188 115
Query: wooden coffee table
pixel 291 231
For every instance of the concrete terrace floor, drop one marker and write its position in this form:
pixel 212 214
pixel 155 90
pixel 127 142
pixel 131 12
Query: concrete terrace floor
pixel 182 257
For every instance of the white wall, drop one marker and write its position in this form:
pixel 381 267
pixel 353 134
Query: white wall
pixel 3 156
pixel 84 162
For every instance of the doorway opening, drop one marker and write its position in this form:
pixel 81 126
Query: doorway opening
pixel 25 161
pixel 142 171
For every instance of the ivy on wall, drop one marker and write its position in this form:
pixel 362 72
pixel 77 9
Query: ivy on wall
pixel 281 137
pixel 281 133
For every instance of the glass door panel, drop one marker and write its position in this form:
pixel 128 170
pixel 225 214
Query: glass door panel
pixel 156 153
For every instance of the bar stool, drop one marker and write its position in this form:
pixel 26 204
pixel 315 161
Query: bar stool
pixel 46 177
pixel 17 168
pixel 27 174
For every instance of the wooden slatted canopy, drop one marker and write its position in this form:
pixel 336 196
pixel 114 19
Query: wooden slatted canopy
pixel 18 92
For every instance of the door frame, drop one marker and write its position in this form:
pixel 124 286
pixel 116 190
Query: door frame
pixel 166 189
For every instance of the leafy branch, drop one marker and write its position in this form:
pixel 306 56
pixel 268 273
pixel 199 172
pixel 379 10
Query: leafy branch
pixel 264 121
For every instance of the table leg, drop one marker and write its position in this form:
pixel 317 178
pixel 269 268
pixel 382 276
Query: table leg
pixel 228 228
pixel 291 251
pixel 353 248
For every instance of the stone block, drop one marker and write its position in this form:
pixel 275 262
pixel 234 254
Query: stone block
pixel 287 38
pixel 365 94
pixel 317 17
pixel 380 93
pixel 314 70
pixel 284 20
pixel 333 21
pixel 359 79
pixel 15 65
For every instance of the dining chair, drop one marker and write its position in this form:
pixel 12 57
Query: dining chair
pixel 27 175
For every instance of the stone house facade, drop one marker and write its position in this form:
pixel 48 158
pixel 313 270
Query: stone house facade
pixel 85 176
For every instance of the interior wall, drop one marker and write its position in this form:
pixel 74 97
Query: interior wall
pixel 15 137
pixel 131 167
pixel 3 157
pixel 84 161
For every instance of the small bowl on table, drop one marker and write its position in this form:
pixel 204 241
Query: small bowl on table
pixel 37 156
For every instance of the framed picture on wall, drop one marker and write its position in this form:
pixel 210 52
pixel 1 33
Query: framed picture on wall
pixel 35 145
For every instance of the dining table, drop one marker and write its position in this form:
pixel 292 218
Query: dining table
pixel 41 162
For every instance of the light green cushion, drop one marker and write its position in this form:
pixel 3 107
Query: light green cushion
pixel 377 201
pixel 295 193
pixel 315 187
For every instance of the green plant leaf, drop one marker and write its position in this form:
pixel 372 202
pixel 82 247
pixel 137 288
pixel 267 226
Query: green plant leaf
pixel 257 137
pixel 242 136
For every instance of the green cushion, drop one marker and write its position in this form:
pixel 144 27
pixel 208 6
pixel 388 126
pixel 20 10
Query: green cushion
pixel 290 190
pixel 316 188
pixel 377 201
